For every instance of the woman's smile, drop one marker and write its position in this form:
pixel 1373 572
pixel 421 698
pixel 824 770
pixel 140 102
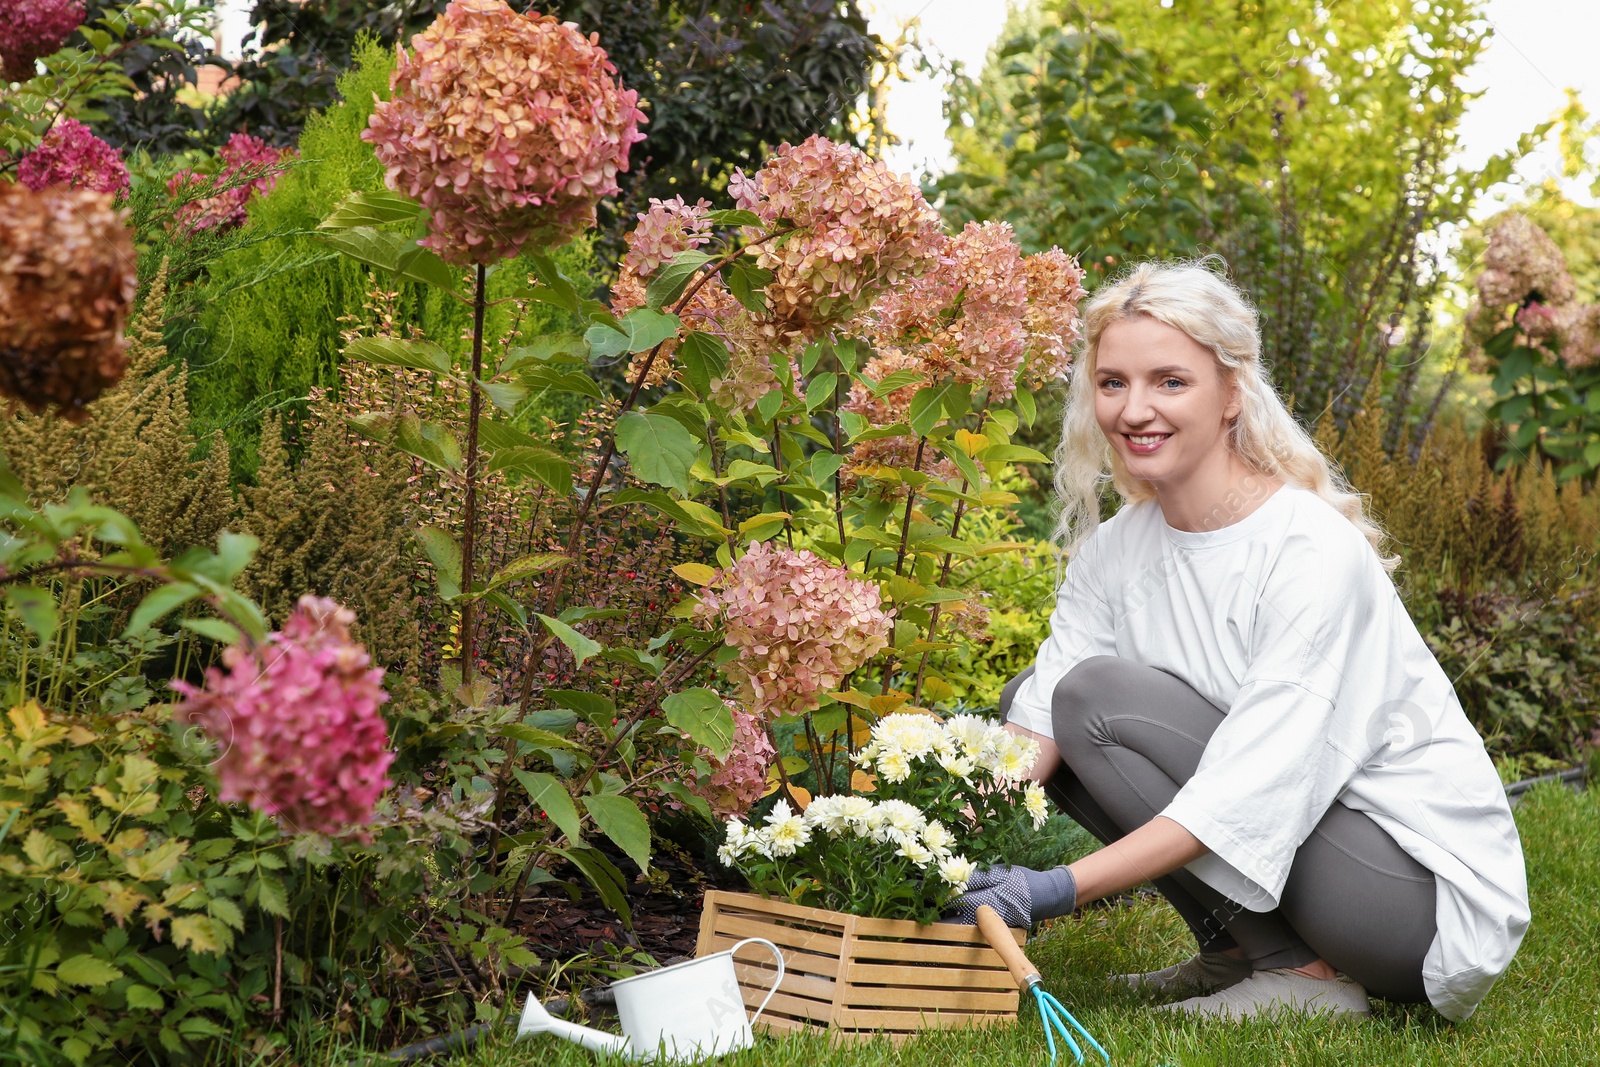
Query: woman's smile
pixel 1144 444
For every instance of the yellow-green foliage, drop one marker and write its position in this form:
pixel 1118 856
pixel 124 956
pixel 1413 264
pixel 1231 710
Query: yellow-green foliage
pixel 136 451
pixel 334 525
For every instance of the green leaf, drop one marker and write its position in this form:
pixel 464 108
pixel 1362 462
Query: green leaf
pixel 526 567
pixel 734 217
pixel 606 879
pixel 582 647
pixel 545 465
pixel 748 282
pixel 374 208
pixel 671 280
pixel 897 380
pixel 432 444
pixel 560 381
pixel 86 970
pixel 639 330
pixel 927 407
pixel 504 395
pixel 692 516
pixel 820 390
pixel 216 629
pixel 596 707
pixel 37 608
pixel 632 657
pixel 1026 405
pixel 554 800
pixel 142 996
pixel 703 358
pixel 769 404
pixel 445 554
pixel 545 349
pixel 393 252
pixel 620 819
pixel 658 448
pixel 1012 454
pixel 704 716
pixel 159 602
pixel 534 736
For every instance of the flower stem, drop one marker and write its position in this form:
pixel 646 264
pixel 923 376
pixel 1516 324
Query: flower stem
pixel 470 518
pixel 911 499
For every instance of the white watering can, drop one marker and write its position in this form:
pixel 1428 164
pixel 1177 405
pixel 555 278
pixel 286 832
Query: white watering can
pixel 690 1011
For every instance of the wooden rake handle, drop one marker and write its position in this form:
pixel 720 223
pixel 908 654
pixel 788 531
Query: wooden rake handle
pixel 998 934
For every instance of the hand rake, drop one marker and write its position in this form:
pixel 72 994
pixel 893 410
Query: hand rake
pixel 1055 1017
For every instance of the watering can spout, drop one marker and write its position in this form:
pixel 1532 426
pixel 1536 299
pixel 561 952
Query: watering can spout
pixel 535 1020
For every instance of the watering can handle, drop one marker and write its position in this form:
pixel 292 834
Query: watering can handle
pixel 776 982
pixel 998 934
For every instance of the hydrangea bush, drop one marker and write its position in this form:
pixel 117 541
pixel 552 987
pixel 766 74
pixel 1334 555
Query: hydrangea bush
pixel 1528 329
pixel 947 796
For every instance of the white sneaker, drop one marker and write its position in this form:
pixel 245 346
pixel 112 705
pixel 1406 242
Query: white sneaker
pixel 1279 989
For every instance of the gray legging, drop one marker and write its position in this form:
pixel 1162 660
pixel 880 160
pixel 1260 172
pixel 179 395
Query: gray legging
pixel 1131 735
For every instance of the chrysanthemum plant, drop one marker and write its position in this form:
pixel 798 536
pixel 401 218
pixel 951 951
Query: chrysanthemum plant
pixel 1545 348
pixel 815 374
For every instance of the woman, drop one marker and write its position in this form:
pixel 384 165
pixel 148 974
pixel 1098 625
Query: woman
pixel 1233 699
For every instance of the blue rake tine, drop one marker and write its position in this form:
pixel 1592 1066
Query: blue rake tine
pixel 1053 1012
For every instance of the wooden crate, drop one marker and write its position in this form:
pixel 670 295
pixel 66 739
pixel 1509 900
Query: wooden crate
pixel 855 976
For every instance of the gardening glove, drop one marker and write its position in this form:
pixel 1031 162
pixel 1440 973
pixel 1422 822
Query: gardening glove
pixel 1020 895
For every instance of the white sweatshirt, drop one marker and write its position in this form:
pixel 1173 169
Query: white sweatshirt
pixel 1286 621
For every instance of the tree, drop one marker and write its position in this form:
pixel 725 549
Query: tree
pixel 1310 140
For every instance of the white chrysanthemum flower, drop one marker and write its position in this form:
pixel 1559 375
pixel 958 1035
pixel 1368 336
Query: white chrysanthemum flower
pixel 894 766
pixel 824 813
pixel 785 832
pixel 914 850
pixel 956 871
pixel 1033 801
pixel 1014 758
pixel 958 766
pixel 910 733
pixel 854 812
pixel 970 732
pixel 937 838
pixel 736 843
pixel 896 820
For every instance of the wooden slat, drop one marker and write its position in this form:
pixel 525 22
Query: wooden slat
pixel 982 957
pixel 898 974
pixel 793 1007
pixel 795 961
pixel 799 985
pixel 740 926
pixel 907 1021
pixel 927 999
pixel 939 933
pixel 781 909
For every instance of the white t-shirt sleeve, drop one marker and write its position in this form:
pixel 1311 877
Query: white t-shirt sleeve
pixel 1285 750
pixel 1080 627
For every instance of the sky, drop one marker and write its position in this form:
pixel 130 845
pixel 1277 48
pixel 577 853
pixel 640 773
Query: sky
pixel 1539 48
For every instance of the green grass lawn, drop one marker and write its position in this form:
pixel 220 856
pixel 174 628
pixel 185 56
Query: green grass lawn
pixel 1546 1010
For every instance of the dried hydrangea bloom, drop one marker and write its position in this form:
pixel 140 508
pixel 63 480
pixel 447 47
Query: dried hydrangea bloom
pixel 861 229
pixel 33 29
pixel 509 128
pixel 66 285
pixel 1538 322
pixel 737 782
pixel 1051 323
pixel 1579 331
pixel 800 624
pixel 296 721
pixel 242 156
pixel 70 154
pixel 1520 263
pixel 964 319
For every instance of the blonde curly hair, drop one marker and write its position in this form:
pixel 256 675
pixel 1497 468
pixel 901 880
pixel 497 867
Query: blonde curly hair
pixel 1189 296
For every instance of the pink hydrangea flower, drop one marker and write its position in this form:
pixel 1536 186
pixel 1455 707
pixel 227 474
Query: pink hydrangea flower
pixel 737 782
pixel 1538 321
pixel 70 154
pixel 243 154
pixel 860 229
pixel 1052 323
pixel 1579 330
pixel 1521 261
pixel 33 29
pixel 800 623
pixel 296 719
pixel 509 128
